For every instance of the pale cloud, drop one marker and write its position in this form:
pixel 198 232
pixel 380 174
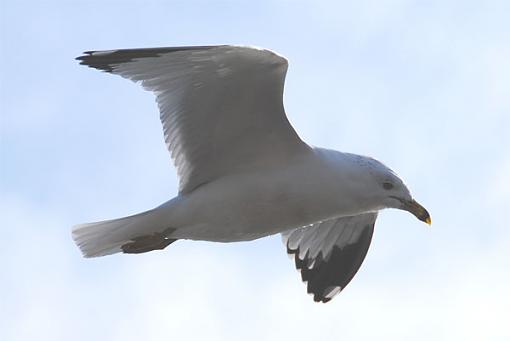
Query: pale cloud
pixel 202 290
pixel 423 87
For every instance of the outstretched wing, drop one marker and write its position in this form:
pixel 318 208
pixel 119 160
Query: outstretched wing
pixel 221 106
pixel 329 253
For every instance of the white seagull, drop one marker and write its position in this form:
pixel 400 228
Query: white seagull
pixel 244 172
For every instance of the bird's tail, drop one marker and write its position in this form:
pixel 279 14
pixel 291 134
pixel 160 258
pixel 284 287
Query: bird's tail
pixel 134 234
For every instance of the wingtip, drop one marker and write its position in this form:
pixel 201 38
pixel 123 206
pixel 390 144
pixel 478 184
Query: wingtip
pixel 80 58
pixel 321 299
pixel 85 54
pixel 93 60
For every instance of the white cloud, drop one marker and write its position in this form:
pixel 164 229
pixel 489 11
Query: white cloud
pixel 202 290
pixel 426 85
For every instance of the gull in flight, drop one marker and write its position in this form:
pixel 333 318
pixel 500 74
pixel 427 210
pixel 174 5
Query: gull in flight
pixel 244 173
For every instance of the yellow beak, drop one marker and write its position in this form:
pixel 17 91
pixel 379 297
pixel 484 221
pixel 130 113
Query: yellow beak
pixel 418 210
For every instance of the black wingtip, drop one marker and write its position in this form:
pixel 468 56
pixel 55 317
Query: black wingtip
pixel 85 55
pixel 99 61
pixel 321 299
pixel 107 60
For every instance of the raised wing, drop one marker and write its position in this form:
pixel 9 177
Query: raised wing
pixel 221 106
pixel 329 253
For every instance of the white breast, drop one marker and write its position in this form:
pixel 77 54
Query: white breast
pixel 263 202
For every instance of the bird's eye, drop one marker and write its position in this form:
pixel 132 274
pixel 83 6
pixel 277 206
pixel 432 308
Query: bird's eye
pixel 387 185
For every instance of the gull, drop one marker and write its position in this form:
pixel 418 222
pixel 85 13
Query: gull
pixel 244 173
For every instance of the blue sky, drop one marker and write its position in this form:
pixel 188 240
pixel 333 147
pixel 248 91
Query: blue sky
pixel 423 86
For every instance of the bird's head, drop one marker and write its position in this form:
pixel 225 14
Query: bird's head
pixel 387 190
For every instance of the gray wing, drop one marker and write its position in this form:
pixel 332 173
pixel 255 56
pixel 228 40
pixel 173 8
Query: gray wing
pixel 329 253
pixel 221 106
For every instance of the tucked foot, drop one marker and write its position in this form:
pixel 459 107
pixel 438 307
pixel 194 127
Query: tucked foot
pixel 156 241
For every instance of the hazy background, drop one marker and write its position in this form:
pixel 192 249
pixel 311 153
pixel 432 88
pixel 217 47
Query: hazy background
pixel 422 85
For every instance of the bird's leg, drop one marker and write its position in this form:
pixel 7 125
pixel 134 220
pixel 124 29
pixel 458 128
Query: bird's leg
pixel 155 241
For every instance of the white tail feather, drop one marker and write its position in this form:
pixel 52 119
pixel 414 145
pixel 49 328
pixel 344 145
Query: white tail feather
pixel 107 237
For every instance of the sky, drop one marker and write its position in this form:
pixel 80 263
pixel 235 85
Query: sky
pixel 422 86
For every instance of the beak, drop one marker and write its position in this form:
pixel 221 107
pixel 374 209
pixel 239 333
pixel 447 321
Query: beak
pixel 418 210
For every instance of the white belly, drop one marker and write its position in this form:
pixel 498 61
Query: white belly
pixel 250 206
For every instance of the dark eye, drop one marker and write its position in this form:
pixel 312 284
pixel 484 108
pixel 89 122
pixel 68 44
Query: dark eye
pixel 387 185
